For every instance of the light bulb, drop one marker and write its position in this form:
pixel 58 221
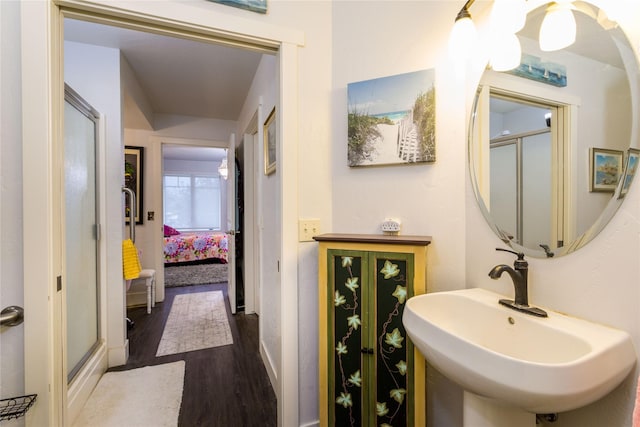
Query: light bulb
pixel 558 29
pixel 506 52
pixel 509 16
pixel 463 38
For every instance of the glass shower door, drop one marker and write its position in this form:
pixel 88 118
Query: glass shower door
pixel 81 232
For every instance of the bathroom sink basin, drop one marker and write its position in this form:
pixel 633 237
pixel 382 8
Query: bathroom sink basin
pixel 540 365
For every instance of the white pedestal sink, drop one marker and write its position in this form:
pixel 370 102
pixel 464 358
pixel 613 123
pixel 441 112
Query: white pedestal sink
pixel 530 364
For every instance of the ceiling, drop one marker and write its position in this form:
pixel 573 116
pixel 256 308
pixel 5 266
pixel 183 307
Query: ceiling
pixel 178 76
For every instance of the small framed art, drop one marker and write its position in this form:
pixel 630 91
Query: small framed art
pixel 269 135
pixel 605 169
pixel 133 173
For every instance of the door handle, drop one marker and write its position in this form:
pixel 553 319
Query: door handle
pixel 11 316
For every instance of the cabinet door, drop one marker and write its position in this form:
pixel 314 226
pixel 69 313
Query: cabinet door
pixel 394 361
pixel 370 359
pixel 345 340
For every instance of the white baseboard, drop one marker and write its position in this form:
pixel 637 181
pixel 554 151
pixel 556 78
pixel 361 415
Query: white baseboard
pixel 117 356
pixel 271 369
pixel 85 381
pixel 311 424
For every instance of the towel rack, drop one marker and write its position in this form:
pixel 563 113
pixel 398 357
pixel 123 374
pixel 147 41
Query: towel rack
pixel 16 407
pixel 132 212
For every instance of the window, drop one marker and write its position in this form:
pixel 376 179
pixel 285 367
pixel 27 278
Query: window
pixel 192 201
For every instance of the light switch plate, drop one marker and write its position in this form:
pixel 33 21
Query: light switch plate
pixel 307 228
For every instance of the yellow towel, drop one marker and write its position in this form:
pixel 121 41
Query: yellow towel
pixel 130 261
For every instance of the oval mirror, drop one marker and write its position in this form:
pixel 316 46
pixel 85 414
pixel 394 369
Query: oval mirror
pixel 553 144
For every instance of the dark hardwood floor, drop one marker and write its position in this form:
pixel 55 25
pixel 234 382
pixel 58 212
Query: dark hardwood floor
pixel 224 386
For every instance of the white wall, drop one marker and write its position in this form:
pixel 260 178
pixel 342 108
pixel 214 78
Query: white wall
pixel 94 73
pixel 137 109
pixel 11 258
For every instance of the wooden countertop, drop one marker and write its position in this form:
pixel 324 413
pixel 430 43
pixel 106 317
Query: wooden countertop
pixel 374 238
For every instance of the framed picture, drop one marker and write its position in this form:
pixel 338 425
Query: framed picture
pixel 630 167
pixel 391 120
pixel 605 169
pixel 133 173
pixel 269 135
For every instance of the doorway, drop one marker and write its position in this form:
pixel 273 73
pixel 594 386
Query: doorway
pixel 284 336
pixel 195 182
pixel 42 98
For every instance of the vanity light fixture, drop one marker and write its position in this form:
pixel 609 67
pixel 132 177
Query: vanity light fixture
pixel 223 170
pixel 558 29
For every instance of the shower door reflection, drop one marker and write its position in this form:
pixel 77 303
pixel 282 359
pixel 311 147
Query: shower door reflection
pixel 521 187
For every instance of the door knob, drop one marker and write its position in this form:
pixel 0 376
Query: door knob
pixel 11 316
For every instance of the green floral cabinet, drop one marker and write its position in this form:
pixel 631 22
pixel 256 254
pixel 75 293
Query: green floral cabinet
pixel 370 373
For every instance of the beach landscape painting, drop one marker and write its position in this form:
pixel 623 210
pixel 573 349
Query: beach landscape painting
pixel 392 120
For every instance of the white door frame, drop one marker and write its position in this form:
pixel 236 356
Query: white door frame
pixel 231 222
pixel 42 99
pixel 251 242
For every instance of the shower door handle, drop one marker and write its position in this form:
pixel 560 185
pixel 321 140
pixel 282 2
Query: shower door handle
pixel 11 316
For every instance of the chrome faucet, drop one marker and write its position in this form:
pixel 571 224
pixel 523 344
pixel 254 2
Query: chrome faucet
pixel 519 277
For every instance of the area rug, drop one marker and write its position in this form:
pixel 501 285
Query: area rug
pixel 149 396
pixel 196 321
pixel 198 274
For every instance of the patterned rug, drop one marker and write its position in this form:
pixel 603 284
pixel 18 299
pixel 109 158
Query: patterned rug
pixel 149 396
pixel 197 274
pixel 196 321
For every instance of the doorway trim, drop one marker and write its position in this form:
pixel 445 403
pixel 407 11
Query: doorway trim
pixel 42 98
pixel 250 145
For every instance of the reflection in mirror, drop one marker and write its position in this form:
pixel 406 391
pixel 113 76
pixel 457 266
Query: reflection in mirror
pixel 532 130
pixel 521 179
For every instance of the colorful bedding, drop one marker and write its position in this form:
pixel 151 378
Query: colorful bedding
pixel 195 246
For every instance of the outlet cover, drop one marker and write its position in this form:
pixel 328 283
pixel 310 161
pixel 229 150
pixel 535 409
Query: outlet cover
pixel 307 228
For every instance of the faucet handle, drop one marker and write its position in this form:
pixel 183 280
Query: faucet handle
pixel 520 255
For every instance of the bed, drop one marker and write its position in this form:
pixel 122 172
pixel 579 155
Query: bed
pixel 195 246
